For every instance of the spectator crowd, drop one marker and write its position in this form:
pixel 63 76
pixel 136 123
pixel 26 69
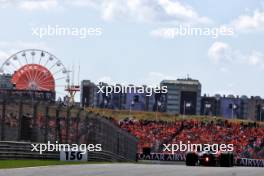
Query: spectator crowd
pixel 247 137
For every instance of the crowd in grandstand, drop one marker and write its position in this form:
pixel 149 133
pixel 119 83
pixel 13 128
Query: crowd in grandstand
pixel 247 138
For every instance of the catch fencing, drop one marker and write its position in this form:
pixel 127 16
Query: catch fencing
pixel 40 122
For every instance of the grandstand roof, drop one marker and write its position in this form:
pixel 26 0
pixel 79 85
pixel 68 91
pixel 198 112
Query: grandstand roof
pixel 182 81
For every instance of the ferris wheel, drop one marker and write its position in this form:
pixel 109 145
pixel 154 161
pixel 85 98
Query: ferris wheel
pixel 35 69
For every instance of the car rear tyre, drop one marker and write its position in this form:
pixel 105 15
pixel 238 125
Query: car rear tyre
pixel 227 160
pixel 191 159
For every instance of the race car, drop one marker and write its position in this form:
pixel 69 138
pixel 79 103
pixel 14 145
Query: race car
pixel 208 158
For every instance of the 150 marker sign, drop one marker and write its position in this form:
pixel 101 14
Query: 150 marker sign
pixel 73 156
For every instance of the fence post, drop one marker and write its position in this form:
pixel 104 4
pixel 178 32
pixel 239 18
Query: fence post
pixel 34 128
pixel 20 114
pixel 68 123
pixel 87 129
pixel 58 133
pixel 77 127
pixel 3 120
pixel 46 124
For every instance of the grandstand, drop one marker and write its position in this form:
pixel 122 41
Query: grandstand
pixel 247 136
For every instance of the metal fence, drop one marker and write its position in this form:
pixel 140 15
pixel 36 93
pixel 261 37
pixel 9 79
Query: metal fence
pixel 41 122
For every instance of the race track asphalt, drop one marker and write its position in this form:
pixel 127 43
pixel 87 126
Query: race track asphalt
pixel 131 170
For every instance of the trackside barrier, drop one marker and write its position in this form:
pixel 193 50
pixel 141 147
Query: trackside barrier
pixel 249 162
pixel 43 122
pixel 181 157
pixel 162 157
pixel 22 150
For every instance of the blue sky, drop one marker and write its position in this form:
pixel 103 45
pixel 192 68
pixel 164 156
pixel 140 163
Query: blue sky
pixel 128 52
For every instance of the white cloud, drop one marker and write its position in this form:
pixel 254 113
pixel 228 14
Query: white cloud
pixel 32 5
pixel 144 10
pixel 256 58
pixel 134 10
pixel 220 52
pixel 247 23
pixel 154 78
pixel 4 3
pixel 82 3
pixel 177 10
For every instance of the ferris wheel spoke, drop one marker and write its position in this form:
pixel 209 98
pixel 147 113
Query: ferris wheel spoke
pixel 38 75
pixel 60 85
pixel 48 78
pixel 11 63
pixel 52 66
pixel 24 76
pixel 50 84
pixel 60 78
pixel 30 75
pixel 35 76
pixel 47 82
pixel 24 80
pixel 26 58
pixel 48 59
pixel 58 71
pixel 43 88
pixel 47 87
pixel 44 77
pixel 19 62
pixel 40 58
pixel 27 75
pixel 33 54
pixel 35 73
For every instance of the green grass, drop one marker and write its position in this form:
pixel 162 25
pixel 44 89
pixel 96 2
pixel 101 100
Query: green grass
pixel 5 164
pixel 143 115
